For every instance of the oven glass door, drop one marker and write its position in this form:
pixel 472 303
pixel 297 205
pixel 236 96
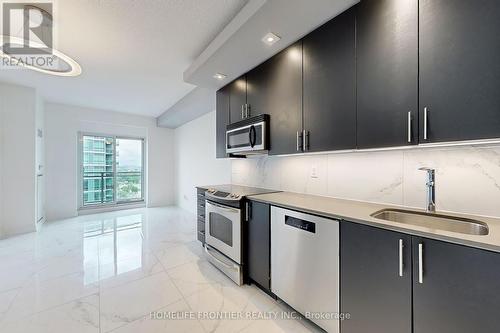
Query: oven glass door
pixel 223 231
pixel 246 138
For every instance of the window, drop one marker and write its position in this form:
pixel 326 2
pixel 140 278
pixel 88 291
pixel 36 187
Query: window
pixel 112 170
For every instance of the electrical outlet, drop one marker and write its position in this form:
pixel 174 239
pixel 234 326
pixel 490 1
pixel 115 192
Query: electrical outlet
pixel 314 171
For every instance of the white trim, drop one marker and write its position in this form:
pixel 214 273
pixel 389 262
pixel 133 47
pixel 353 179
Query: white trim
pixel 110 208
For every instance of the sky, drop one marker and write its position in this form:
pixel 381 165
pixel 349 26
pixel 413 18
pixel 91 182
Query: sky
pixel 128 153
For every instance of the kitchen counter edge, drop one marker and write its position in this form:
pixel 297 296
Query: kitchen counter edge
pixel 359 212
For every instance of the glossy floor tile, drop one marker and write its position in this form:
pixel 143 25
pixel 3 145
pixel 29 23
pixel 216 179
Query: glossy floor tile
pixel 138 270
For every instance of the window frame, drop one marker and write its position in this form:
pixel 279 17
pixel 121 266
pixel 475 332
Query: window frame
pixel 115 202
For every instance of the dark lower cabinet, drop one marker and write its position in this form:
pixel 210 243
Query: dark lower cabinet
pixel 222 120
pixel 330 84
pixel 237 99
pixel 387 73
pixel 460 289
pixel 459 69
pixel 275 88
pixel 372 290
pixel 200 211
pixel 259 243
pixel 440 287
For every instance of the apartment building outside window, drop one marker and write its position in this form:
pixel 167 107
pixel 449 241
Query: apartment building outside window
pixel 111 170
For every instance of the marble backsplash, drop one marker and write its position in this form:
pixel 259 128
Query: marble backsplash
pixel 467 177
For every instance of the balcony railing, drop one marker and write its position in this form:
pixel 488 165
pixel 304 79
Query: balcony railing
pixel 102 189
pixel 129 186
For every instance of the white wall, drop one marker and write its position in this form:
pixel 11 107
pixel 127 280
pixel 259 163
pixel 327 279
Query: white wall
pixel 467 178
pixel 17 154
pixel 62 125
pixel 40 158
pixel 195 162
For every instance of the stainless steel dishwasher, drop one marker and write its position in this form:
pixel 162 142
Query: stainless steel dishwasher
pixel 305 265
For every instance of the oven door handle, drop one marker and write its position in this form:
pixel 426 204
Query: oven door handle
pixel 221 207
pixel 213 256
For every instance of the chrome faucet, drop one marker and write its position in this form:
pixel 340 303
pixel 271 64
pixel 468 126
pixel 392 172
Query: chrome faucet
pixel 431 189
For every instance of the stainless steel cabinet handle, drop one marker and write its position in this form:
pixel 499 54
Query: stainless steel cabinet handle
pixel 420 263
pixel 247 106
pixel 409 126
pixel 299 141
pixel 305 140
pixel 247 212
pixel 425 123
pixel 401 263
pixel 242 111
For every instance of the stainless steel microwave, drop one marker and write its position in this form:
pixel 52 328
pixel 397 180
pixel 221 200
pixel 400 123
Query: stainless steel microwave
pixel 249 136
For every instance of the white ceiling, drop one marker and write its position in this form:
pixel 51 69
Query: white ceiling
pixel 133 53
pixel 238 48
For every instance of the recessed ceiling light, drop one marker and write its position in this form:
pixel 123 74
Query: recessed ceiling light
pixel 220 76
pixel 270 38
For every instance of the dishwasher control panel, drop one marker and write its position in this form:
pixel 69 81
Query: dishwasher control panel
pixel 300 224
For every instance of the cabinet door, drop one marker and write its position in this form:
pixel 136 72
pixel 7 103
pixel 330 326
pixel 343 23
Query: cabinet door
pixel 372 291
pixel 259 244
pixel 329 84
pixel 222 120
pixel 459 69
pixel 275 88
pixel 460 290
pixel 387 73
pixel 200 195
pixel 237 98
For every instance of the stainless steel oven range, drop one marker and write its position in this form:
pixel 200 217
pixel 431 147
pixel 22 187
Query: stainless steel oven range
pixel 226 215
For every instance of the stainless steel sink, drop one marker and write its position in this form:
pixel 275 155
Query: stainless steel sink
pixel 433 221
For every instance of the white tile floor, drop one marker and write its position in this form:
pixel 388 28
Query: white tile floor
pixel 108 272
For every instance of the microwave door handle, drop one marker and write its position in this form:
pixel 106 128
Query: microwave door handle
pixel 252 136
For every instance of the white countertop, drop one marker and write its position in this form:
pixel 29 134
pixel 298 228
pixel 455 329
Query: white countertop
pixel 360 212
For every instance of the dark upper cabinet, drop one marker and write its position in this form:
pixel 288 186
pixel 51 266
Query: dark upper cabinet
pixel 459 69
pixel 387 73
pixel 237 99
pixel 384 73
pixel 373 290
pixel 460 289
pixel 259 243
pixel 222 120
pixel 329 84
pixel 275 88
